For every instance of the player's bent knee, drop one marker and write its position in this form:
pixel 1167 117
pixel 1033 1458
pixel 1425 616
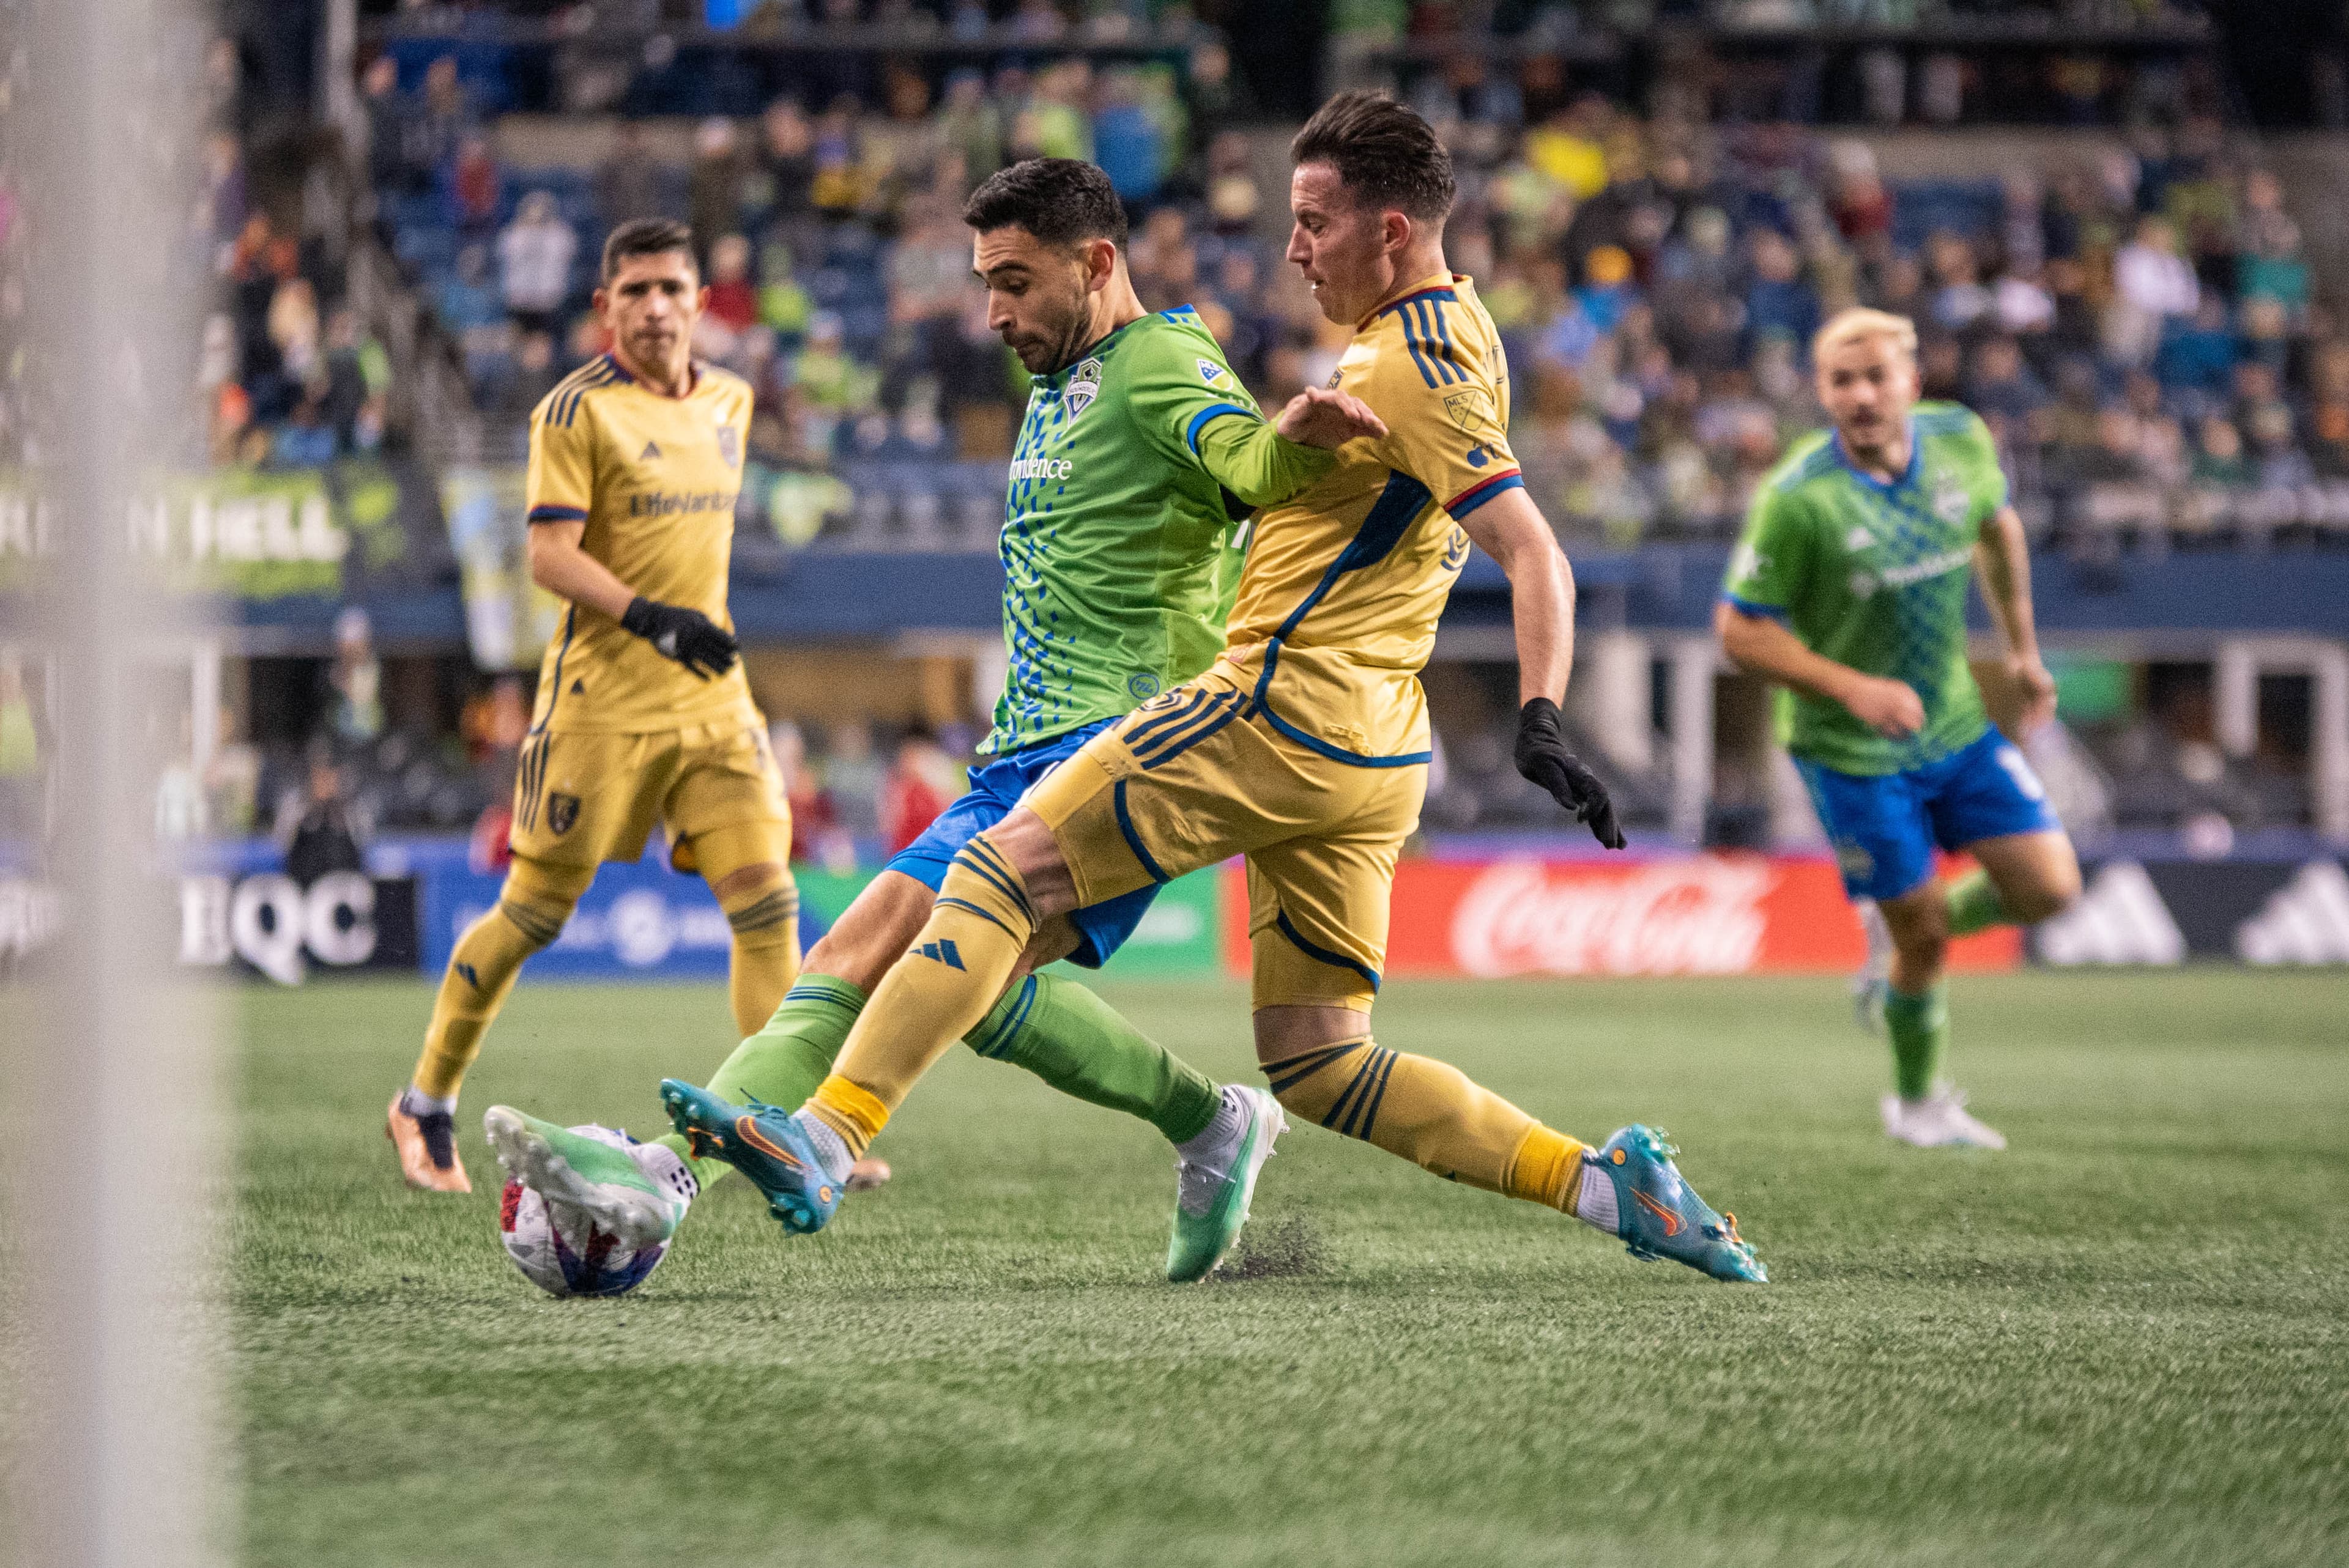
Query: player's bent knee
pixel 2053 891
pixel 538 898
pixel 759 899
pixel 1026 843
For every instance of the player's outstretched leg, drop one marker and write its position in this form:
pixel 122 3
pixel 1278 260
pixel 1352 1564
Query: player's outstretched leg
pixel 639 1194
pixel 532 908
pixel 1433 1115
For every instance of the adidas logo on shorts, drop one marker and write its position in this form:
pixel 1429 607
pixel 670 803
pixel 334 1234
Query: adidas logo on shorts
pixel 943 951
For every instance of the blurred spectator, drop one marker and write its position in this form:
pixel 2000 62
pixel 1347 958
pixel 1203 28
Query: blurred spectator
pixel 2218 455
pixel 714 199
pixel 2151 282
pixel 733 300
pixel 816 834
pixel 474 186
pixel 321 831
pixel 1129 141
pixel 1778 302
pixel 852 778
pixel 357 677
pixel 1566 147
pixel 307 440
pixel 970 127
pixel 379 102
pixel 2278 464
pixel 535 253
pixel 1959 299
pixel 293 328
pixel 782 192
pixel 627 183
pixel 2003 385
pixel 232 779
pixel 922 782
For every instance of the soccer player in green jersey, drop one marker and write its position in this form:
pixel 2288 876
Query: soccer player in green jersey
pixel 1849 590
pixel 1138 455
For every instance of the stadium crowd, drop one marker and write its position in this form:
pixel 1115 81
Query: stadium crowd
pixel 2141 319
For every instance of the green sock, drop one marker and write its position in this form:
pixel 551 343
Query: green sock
pixel 1919 1027
pixel 782 1063
pixel 1077 1043
pixel 1974 904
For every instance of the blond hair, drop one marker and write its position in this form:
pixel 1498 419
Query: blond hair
pixel 1856 326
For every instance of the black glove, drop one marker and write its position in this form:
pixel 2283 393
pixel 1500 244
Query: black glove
pixel 1542 756
pixel 689 636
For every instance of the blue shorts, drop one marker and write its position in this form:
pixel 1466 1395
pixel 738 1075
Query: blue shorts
pixel 995 788
pixel 1886 826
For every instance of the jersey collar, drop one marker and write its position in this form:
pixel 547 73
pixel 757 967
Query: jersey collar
pixel 1916 462
pixel 1439 284
pixel 695 371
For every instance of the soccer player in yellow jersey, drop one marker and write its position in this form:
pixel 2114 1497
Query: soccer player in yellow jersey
pixel 643 714
pixel 1304 748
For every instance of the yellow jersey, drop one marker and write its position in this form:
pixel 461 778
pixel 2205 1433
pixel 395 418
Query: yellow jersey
pixel 1343 583
pixel 654 478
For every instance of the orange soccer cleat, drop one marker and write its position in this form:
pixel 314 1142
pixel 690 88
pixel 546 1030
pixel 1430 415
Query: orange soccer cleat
pixel 427 1149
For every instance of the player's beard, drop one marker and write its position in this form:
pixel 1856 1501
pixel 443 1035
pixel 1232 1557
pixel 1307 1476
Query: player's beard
pixel 1068 337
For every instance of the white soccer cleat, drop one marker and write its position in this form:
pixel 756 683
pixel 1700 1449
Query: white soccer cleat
pixel 637 1192
pixel 1216 1184
pixel 1874 981
pixel 1938 1121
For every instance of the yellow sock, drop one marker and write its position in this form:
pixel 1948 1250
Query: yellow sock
pixel 936 994
pixel 850 1111
pixel 766 959
pixel 1429 1113
pixel 532 907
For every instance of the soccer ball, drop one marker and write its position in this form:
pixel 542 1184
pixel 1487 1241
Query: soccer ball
pixel 561 1250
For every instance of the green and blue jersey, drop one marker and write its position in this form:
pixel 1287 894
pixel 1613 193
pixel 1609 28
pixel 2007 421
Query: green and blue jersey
pixel 1118 559
pixel 1874 575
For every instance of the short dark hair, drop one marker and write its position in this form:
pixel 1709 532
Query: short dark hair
pixel 1385 153
pixel 1062 202
pixel 646 237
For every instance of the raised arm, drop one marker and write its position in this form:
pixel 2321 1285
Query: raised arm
pixel 1510 528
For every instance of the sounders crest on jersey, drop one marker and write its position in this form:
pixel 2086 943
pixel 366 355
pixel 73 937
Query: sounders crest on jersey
pixel 1083 387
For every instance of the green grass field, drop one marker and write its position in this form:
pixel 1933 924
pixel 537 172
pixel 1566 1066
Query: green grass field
pixel 2124 1341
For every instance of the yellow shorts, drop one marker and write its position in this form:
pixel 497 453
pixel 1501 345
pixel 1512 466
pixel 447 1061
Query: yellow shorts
pixel 1191 780
pixel 582 799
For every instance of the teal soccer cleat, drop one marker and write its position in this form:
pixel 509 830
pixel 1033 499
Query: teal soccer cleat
pixel 765 1144
pixel 1659 1214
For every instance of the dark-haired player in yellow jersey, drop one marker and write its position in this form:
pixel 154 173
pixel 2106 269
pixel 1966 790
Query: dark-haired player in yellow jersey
pixel 1304 748
pixel 643 714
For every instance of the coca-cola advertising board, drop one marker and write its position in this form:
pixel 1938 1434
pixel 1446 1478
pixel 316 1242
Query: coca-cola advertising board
pixel 1687 915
